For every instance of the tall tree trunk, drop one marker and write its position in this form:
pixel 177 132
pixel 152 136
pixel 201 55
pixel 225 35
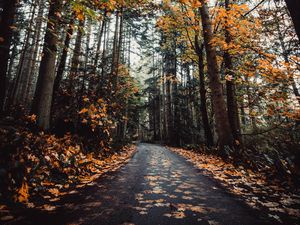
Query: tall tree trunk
pixel 114 54
pixel 126 121
pixel 250 103
pixel 188 94
pixel 207 131
pixel 168 103
pixel 174 114
pixel 63 60
pixel 76 54
pixel 79 104
pixel 220 114
pixel 285 55
pixel 176 119
pixel 44 90
pixel 35 55
pixel 30 71
pixel 164 104
pixel 129 48
pixel 24 62
pixel 120 43
pixel 294 9
pixel 103 57
pixel 232 105
pixel 103 24
pixel 243 114
pixel 154 102
pixel 161 105
pixel 86 56
pixel 6 22
pixel 170 74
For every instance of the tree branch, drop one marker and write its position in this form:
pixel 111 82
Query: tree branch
pixel 247 13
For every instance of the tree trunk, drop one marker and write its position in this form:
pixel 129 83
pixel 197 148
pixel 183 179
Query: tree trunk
pixel 114 54
pixel 243 114
pixel 6 22
pixel 33 55
pixel 285 55
pixel 220 114
pixel 44 90
pixel 103 56
pixel 164 104
pixel 103 24
pixel 294 9
pixel 176 119
pixel 77 51
pixel 207 131
pixel 63 60
pixel 119 48
pixel 175 109
pixel 24 63
pixel 168 102
pixel 232 105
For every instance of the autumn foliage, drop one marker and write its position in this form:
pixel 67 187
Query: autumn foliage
pixel 43 164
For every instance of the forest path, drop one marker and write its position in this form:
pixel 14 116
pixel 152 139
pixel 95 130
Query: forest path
pixel 155 187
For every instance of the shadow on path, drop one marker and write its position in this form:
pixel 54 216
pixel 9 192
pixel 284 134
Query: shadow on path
pixel 155 187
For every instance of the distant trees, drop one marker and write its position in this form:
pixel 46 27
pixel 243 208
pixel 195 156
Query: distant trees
pixel 227 82
pixel 6 32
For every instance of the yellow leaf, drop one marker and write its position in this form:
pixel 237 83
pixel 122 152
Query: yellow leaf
pixel 22 195
pixel 84 110
pixel 54 191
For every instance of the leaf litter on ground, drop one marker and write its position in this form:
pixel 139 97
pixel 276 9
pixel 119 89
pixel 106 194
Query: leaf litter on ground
pixel 252 186
pixel 55 167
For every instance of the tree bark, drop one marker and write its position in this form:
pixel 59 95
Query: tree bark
pixel 232 105
pixel 35 55
pixel 103 24
pixel 207 131
pixel 103 57
pixel 114 54
pixel 63 60
pixel 294 9
pixel 76 54
pixel 30 72
pixel 44 90
pixel 168 100
pixel 119 47
pixel 175 109
pixel 220 114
